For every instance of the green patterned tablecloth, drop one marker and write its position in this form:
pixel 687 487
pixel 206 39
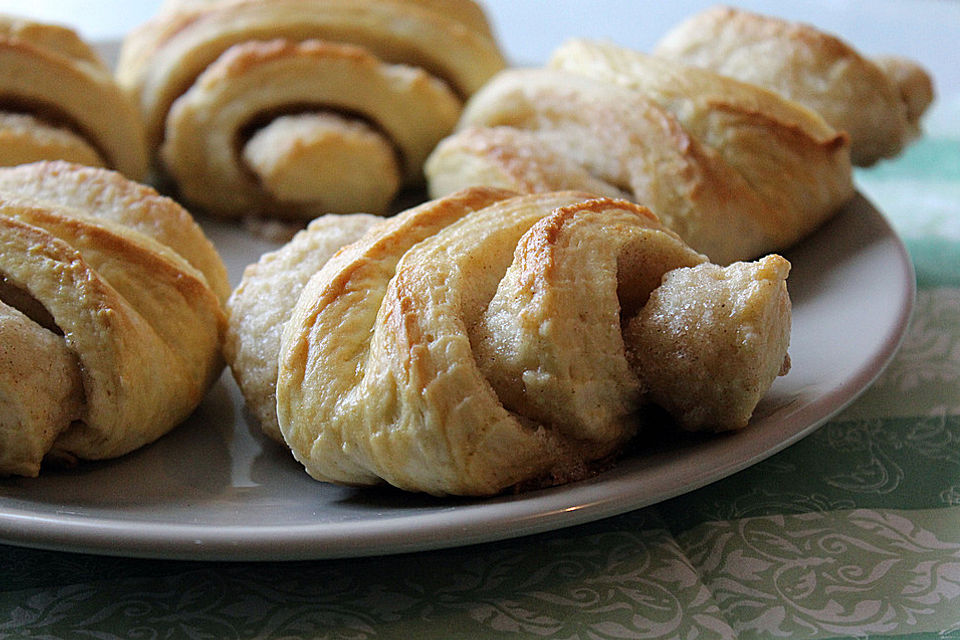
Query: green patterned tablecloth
pixel 852 532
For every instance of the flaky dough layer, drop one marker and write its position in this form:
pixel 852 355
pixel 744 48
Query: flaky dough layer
pixel 125 331
pixel 707 153
pixel 878 102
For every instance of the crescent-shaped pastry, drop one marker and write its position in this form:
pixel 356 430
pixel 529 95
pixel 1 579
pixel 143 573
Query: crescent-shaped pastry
pixel 124 331
pixel 295 108
pixel 477 342
pixel 708 154
pixel 879 102
pixel 61 102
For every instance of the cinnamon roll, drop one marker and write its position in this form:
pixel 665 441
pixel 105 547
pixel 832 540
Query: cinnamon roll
pixel 294 108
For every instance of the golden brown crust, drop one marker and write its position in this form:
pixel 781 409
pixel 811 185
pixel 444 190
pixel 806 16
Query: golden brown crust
pixel 110 197
pixel 475 343
pixel 50 37
pixel 142 324
pixel 466 12
pixel 706 153
pixel 852 92
pixel 63 83
pixel 914 84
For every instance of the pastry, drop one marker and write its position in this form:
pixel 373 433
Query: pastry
pixel 483 340
pixel 262 302
pixel 294 108
pixel 706 153
pixel 681 345
pixel 324 165
pixel 110 336
pixel 60 102
pixel 123 202
pixel 879 102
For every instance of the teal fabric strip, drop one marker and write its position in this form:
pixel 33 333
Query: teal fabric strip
pixel 919 193
pixel 935 260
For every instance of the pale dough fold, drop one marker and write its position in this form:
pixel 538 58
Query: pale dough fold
pixel 481 341
pixel 124 333
pixel 412 111
pixel 706 153
pixel 878 102
pixel 61 102
pixel 262 302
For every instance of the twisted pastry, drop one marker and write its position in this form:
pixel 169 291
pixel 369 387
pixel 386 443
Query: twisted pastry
pixel 486 340
pixel 60 102
pixel 707 153
pixel 110 336
pixel 295 108
pixel 879 102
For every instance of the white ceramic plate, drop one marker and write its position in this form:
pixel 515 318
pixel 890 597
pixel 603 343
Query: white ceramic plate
pixel 216 489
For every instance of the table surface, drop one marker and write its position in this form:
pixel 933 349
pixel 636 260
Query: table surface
pixel 852 532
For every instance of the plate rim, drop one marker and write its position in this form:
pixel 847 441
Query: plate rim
pixel 603 496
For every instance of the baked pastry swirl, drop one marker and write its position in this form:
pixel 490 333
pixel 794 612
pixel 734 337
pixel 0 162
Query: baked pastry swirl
pixel 110 335
pixel 295 108
pixel 60 102
pixel 878 101
pixel 707 153
pixel 264 300
pixel 488 340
